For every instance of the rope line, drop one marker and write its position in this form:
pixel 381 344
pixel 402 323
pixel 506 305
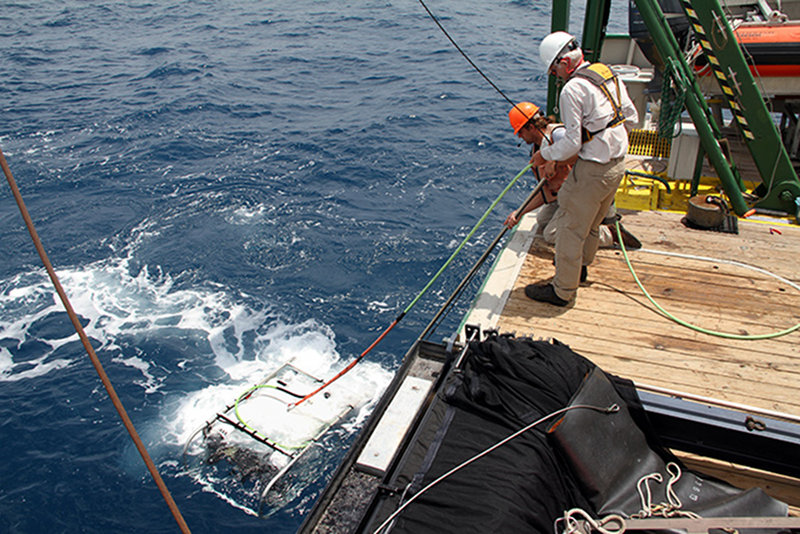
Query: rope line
pixel 668 315
pixel 615 523
pixel 673 507
pixel 474 66
pixel 478 70
pixel 469 235
pixel 673 98
pixel 447 306
pixel 610 524
pixel 98 366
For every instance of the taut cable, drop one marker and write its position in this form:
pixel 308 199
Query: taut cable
pixel 419 295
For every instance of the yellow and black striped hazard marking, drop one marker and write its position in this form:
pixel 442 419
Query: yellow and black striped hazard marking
pixel 722 78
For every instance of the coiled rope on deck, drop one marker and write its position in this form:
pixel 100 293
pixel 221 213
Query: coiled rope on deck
pixel 726 335
pixel 615 523
pixel 90 350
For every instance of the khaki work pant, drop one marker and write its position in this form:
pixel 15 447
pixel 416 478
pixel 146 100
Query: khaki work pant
pixel 583 202
pixel 547 226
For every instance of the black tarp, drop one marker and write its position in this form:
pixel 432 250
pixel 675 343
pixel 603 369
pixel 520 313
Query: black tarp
pixel 504 385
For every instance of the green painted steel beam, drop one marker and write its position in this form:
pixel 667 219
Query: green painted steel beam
pixel 595 23
pixel 780 186
pixel 559 21
pixel 707 129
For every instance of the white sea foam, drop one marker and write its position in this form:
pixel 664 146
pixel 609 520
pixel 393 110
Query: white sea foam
pixel 131 316
pixel 379 306
pixel 115 304
pixel 247 215
pixel 307 346
pixel 209 344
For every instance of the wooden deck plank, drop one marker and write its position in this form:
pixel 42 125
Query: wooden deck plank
pixel 623 307
pixel 613 324
pixel 640 313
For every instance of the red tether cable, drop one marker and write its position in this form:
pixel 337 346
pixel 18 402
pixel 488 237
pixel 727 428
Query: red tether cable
pixel 350 365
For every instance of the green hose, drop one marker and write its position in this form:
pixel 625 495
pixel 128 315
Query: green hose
pixel 469 235
pixel 639 174
pixel 696 328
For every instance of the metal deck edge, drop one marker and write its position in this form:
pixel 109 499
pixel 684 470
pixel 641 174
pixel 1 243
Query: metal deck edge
pixel 497 285
pixel 348 468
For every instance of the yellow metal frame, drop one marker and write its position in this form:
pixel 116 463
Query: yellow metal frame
pixel 638 193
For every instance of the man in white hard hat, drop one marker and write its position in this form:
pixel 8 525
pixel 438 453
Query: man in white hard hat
pixel 595 108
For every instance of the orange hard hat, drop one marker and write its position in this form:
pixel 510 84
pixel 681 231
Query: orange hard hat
pixel 521 114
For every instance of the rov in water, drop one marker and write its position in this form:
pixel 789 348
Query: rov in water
pixel 263 438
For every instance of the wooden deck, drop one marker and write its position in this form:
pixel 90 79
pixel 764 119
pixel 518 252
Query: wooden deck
pixel 612 323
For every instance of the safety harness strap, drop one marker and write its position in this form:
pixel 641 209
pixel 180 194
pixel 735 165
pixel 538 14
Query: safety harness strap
pixel 599 74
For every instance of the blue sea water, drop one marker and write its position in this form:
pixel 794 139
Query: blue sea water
pixel 223 186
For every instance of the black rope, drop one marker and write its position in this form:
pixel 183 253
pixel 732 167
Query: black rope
pixel 474 66
pixel 477 69
pixel 446 308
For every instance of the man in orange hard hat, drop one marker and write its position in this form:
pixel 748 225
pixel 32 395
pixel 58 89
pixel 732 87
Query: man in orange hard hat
pixel 534 128
pixel 595 108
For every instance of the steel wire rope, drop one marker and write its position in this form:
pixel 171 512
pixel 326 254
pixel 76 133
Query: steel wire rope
pixel 419 295
pixel 432 326
pixel 668 315
pixel 613 408
pixel 477 69
pixel 400 317
pixel 98 366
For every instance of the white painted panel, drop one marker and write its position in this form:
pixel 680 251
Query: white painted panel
pixel 393 425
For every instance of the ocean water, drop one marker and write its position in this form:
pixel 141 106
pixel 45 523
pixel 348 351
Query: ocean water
pixel 223 187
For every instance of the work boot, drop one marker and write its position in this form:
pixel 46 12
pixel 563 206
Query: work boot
pixel 544 293
pixel 628 239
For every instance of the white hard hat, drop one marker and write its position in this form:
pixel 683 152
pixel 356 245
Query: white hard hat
pixel 552 46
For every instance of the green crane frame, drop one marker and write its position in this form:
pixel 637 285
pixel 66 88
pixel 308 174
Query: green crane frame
pixel 780 188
